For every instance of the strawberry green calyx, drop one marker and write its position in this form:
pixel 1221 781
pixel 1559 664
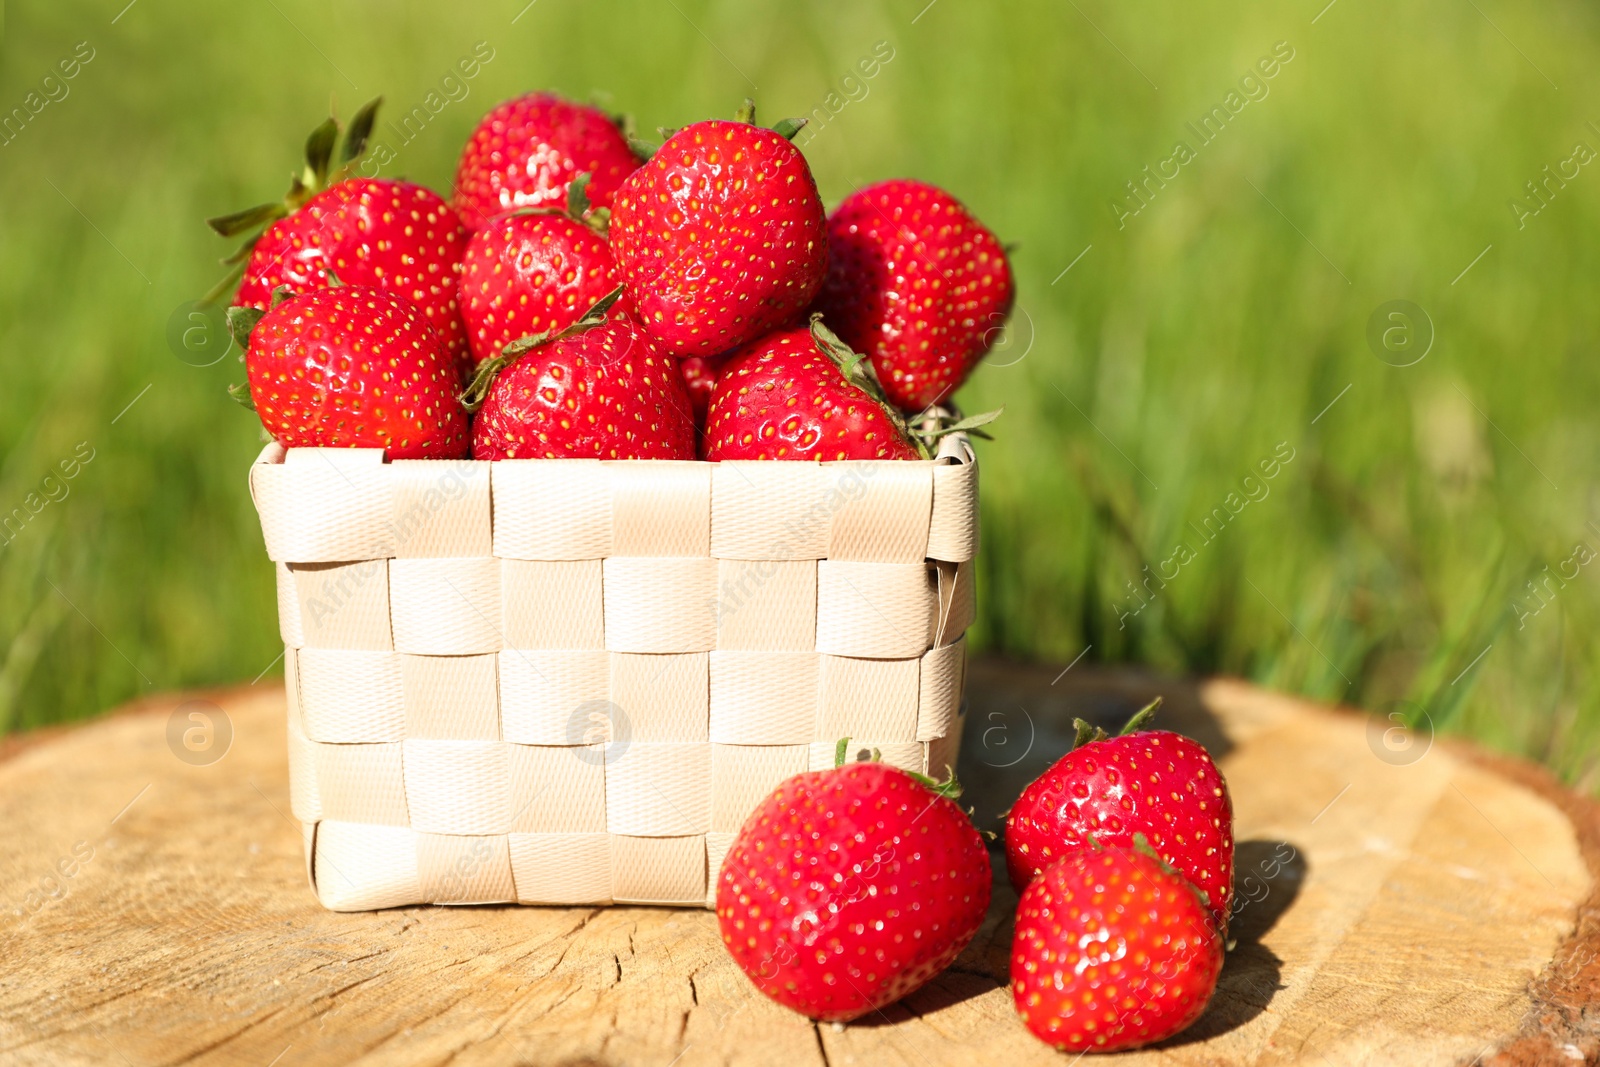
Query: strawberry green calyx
pixel 578 209
pixel 317 174
pixel 950 788
pixel 1141 844
pixel 934 424
pixel 1139 720
pixel 785 128
pixel 241 320
pixel 240 393
pixel 477 391
pixel 857 370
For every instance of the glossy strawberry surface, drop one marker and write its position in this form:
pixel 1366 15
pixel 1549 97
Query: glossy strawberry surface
pixel 849 888
pixel 916 283
pixel 720 237
pixel 526 274
pixel 355 367
pixel 1111 951
pixel 603 393
pixel 527 151
pixel 370 232
pixel 781 398
pixel 1152 782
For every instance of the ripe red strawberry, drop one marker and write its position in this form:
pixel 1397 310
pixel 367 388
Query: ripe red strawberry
pixel 367 231
pixel 527 151
pixel 1152 782
pixel 720 237
pixel 598 390
pixel 916 283
pixel 1112 950
pixel 353 367
pixel 700 374
pixel 785 397
pixel 849 888
pixel 531 273
pixel 387 234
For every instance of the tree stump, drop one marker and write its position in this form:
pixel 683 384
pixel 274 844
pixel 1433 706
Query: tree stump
pixel 1408 901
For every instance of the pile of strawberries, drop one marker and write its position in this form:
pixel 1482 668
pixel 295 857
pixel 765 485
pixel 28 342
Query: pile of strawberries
pixel 848 889
pixel 587 295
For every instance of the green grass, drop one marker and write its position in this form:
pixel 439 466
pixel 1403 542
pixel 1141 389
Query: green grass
pixel 1141 387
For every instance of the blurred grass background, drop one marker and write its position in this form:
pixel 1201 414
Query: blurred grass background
pixel 1387 566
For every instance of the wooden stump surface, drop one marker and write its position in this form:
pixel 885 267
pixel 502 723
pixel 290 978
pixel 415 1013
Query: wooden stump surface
pixel 1410 903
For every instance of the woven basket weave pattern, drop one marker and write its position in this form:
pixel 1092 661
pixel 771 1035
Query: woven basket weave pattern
pixel 569 681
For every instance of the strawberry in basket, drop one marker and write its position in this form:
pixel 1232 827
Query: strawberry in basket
pixel 916 283
pixel 365 231
pixel 351 367
pixel 802 395
pixel 849 888
pixel 535 271
pixel 598 389
pixel 720 237
pixel 528 151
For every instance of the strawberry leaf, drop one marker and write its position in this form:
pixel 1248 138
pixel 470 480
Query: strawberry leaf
pixel 966 425
pixel 787 128
pixel 1140 718
pixel 641 148
pixel 319 150
pixel 578 197
pixel 240 393
pixel 859 372
pixel 241 320
pixel 360 131
pixel 1087 734
pixel 248 219
pixel 840 751
pixel 477 390
pixel 280 294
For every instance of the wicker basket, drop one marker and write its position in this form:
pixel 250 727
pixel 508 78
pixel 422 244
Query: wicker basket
pixel 569 681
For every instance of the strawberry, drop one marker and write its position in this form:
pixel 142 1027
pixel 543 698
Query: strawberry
pixel 700 374
pixel 799 395
pixel 527 273
pixel 1108 790
pixel 364 231
pixel 598 389
pixel 916 283
pixel 720 237
pixel 351 367
pixel 527 151
pixel 1112 950
pixel 849 888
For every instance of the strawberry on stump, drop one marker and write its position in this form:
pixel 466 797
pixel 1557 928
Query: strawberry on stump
pixel 1113 949
pixel 369 231
pixel 849 888
pixel 720 236
pixel 351 367
pixel 598 389
pixel 1111 789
